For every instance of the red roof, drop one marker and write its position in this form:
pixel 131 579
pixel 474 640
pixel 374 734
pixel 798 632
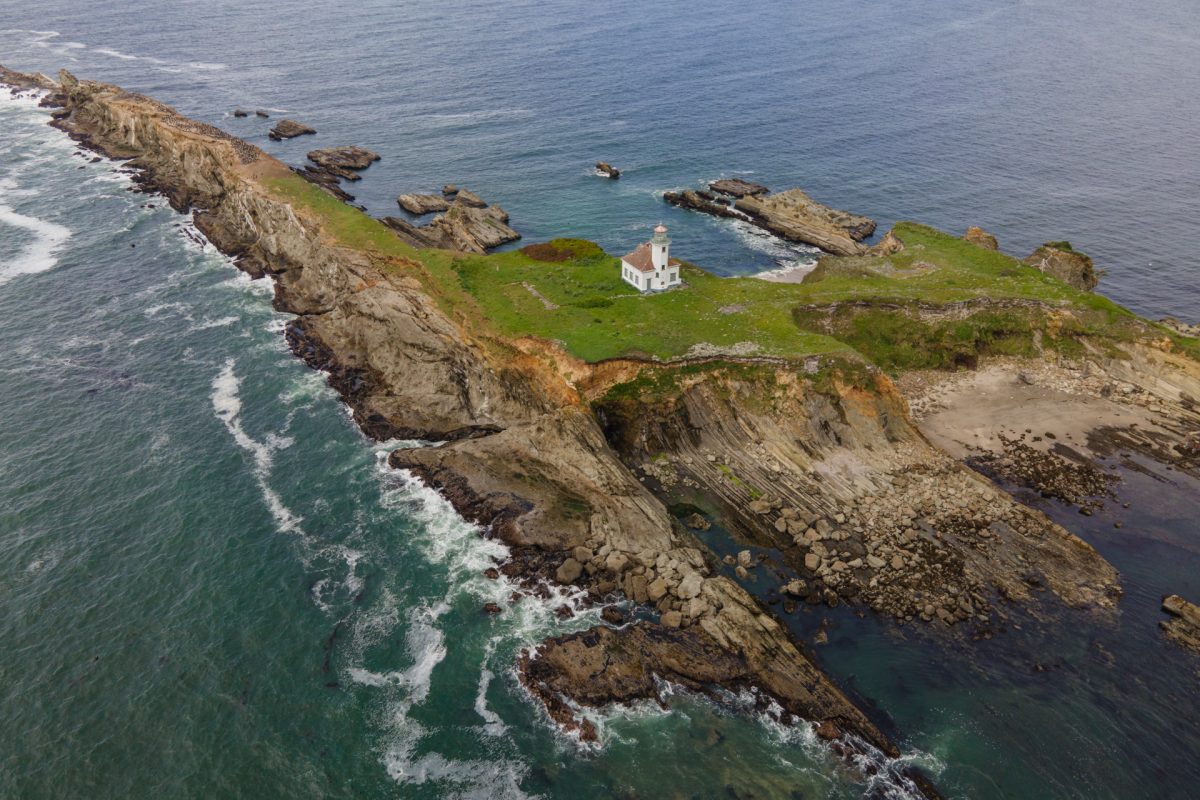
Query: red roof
pixel 641 260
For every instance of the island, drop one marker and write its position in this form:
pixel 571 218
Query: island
pixel 597 431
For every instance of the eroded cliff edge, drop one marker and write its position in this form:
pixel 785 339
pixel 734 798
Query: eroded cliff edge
pixel 821 463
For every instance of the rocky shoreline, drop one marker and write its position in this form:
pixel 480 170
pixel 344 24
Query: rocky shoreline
pixel 791 215
pixel 826 468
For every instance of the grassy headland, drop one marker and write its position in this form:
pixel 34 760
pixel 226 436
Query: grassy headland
pixel 940 302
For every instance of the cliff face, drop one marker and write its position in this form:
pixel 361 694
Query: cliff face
pixel 524 459
pixel 857 502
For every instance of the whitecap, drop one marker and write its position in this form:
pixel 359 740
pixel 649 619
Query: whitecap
pixel 38 255
pixel 227 404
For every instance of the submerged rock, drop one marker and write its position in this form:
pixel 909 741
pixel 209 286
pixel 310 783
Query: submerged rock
pixel 237 112
pixel 1060 260
pixel 604 168
pixel 422 203
pixel 289 129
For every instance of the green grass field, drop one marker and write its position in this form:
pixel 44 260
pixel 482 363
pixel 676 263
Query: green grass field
pixel 582 302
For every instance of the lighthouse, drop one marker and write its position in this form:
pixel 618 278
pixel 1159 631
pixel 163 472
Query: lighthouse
pixel 660 246
pixel 650 267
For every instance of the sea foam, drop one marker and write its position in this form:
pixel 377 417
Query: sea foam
pixel 38 255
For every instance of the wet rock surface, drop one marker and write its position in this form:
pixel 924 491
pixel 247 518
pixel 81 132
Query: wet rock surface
pixel 607 170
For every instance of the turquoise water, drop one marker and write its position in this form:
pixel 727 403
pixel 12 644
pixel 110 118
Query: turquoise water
pixel 212 585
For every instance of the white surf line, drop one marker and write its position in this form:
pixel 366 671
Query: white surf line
pixel 38 255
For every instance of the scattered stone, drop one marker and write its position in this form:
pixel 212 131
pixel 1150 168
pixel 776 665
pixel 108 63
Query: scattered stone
pixel 258 112
pixel 671 619
pixel 796 588
pixel 697 522
pixel 745 558
pixel 608 170
pixel 812 562
pixel 237 112
pixel 492 608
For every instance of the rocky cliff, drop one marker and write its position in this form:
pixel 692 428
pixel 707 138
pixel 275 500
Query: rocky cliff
pixel 524 456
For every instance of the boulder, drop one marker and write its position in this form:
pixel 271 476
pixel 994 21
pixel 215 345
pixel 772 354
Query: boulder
pixel 419 204
pixel 796 588
pixel 449 190
pixel 981 238
pixel 697 523
pixel 736 187
pixel 289 129
pixel 258 112
pixel 237 112
pixel 656 590
pixel 672 619
pixel 1060 260
pixel 690 586
pixel 812 562
pixel 745 558
pixel 608 170
pixel 569 571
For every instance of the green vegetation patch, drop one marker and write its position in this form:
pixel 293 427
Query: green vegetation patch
pixel 570 291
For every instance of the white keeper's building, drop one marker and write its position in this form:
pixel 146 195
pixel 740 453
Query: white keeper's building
pixel 650 267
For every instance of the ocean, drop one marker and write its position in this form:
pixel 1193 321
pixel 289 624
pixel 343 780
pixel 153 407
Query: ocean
pixel 214 586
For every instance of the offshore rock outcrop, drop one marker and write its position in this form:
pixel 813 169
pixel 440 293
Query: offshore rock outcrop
pixel 465 227
pixel 289 129
pixel 523 456
pixel 790 215
pixel 332 165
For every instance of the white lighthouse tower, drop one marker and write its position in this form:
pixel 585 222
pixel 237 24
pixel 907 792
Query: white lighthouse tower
pixel 660 246
pixel 650 267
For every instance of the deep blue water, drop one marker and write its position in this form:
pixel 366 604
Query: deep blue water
pixel 1036 120
pixel 211 586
